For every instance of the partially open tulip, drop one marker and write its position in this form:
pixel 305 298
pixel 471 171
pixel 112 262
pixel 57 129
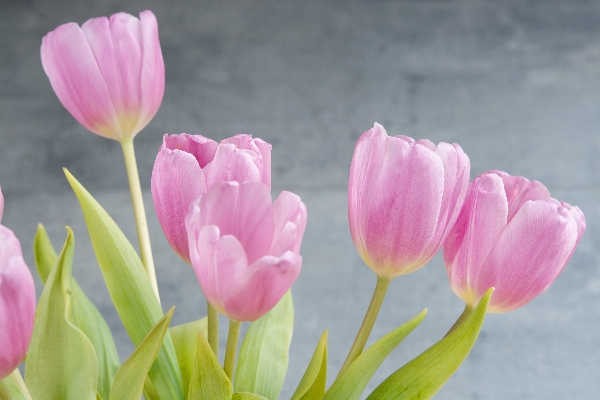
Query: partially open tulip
pixel 109 74
pixel 510 235
pixel 244 248
pixel 403 199
pixel 186 165
pixel 17 301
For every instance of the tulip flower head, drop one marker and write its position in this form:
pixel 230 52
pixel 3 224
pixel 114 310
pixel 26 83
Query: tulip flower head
pixel 244 248
pixel 510 235
pixel 17 301
pixel 187 165
pixel 108 73
pixel 403 199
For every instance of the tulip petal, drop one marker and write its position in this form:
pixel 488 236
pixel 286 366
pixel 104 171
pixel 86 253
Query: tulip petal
pixel 289 217
pixel 80 86
pixel 480 224
pixel 242 210
pixel 253 290
pixel 395 194
pixel 519 190
pixel 457 168
pixel 202 148
pixel 153 73
pixel 17 303
pixel 177 180
pixel 232 164
pixel 529 255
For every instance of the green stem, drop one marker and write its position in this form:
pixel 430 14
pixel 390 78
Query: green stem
pixel 213 329
pixel 232 342
pixel 138 211
pixel 465 314
pixel 368 322
pixel 14 384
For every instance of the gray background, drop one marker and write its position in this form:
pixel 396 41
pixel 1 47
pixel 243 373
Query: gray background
pixel 515 83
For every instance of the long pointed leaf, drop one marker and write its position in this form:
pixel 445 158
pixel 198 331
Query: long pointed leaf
pixel 85 315
pixel 247 396
pixel 130 289
pixel 61 361
pixel 185 340
pixel 312 385
pixel 129 380
pixel 264 355
pixel 350 385
pixel 422 377
pixel 208 381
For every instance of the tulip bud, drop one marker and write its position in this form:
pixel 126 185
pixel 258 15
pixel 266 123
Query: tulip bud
pixel 244 248
pixel 17 301
pixel 109 74
pixel 186 165
pixel 510 235
pixel 403 199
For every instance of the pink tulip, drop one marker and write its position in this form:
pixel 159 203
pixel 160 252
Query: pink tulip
pixel 244 248
pixel 510 235
pixel 186 165
pixel 17 301
pixel 403 199
pixel 109 74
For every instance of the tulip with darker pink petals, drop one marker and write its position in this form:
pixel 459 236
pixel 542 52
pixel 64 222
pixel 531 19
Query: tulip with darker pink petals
pixel 244 247
pixel 187 165
pixel 510 235
pixel 17 301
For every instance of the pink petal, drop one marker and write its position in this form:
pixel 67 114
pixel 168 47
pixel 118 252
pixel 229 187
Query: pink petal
pixel 1 204
pixel 202 148
pixel 250 292
pixel 176 181
pixel 395 194
pixel 77 80
pixel 232 164
pixel 457 169
pixel 153 72
pixel 243 210
pixel 289 216
pixel 519 190
pixel 17 303
pixel 529 255
pixel 480 224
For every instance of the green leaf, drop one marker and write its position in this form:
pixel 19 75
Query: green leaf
pixel 208 381
pixel 247 396
pixel 129 380
pixel 84 313
pixel 351 383
pixel 61 361
pixel 422 377
pixel 264 355
pixel 185 340
pixel 312 384
pixel 13 387
pixel 130 289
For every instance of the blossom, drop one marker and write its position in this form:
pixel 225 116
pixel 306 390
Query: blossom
pixel 510 235
pixel 108 73
pixel 17 301
pixel 244 248
pixel 187 165
pixel 403 199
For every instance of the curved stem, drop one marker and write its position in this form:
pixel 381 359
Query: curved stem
pixel 466 312
pixel 368 322
pixel 213 329
pixel 138 211
pixel 232 342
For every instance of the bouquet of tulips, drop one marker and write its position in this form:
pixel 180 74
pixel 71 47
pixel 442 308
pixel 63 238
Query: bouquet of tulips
pixel 505 241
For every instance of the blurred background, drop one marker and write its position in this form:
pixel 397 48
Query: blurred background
pixel 515 83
